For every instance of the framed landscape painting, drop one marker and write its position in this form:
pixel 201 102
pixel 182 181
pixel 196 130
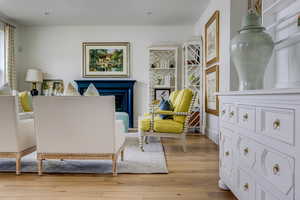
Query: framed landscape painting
pixel 106 59
pixel 212 39
pixel 212 86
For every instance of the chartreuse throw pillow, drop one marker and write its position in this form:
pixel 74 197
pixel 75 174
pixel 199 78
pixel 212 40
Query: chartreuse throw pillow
pixel 165 105
pixel 26 101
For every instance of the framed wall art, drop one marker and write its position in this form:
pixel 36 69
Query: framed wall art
pixel 161 93
pixel 212 39
pixel 256 5
pixel 212 86
pixel 106 59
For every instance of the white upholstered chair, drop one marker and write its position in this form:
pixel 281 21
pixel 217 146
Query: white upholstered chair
pixel 17 136
pixel 77 128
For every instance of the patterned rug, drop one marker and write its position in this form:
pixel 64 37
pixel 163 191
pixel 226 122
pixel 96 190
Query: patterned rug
pixel 135 162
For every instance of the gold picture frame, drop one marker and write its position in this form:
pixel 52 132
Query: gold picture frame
pixel 211 87
pixel 212 39
pixel 106 59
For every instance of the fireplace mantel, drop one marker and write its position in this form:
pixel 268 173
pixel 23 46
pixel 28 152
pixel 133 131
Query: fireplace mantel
pixel 123 90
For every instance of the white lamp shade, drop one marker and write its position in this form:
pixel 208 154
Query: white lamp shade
pixel 34 76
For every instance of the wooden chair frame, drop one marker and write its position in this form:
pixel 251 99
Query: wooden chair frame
pixel 76 156
pixel 143 135
pixel 18 156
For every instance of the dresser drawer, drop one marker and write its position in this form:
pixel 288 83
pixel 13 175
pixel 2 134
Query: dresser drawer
pixel 262 194
pixel 247 153
pixel 277 123
pixel 228 113
pixel 246 117
pixel 226 152
pixel 224 112
pixel 246 186
pixel 278 169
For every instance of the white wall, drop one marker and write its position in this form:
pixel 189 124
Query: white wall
pixel 231 12
pixel 57 50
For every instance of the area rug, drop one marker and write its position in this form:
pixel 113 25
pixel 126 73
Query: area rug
pixel 135 162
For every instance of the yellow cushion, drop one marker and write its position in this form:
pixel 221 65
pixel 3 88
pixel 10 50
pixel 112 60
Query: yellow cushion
pixel 26 101
pixel 182 103
pixel 161 125
pixel 173 96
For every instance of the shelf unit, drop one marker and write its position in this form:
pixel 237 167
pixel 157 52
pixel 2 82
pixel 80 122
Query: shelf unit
pixel 163 69
pixel 193 79
pixel 280 18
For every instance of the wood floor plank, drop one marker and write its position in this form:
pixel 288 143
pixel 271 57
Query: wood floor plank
pixel 192 176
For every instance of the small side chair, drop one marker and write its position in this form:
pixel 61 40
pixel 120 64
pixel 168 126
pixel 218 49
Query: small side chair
pixel 176 127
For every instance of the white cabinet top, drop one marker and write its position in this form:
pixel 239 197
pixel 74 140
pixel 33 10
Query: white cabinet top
pixel 260 92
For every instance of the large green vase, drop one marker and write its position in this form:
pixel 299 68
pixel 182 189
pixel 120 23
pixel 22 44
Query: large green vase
pixel 251 51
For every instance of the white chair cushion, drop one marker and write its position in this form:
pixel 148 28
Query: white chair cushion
pixel 26 115
pixel 91 91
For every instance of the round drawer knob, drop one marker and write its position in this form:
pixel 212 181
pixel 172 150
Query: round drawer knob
pixel 227 153
pixel 231 114
pixel 276 124
pixel 276 169
pixel 246 151
pixel 245 117
pixel 246 187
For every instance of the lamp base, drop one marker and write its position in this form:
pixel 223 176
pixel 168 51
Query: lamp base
pixel 34 92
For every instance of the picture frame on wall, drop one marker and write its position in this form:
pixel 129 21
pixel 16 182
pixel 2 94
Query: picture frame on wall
pixel 161 93
pixel 256 5
pixel 106 59
pixel 211 87
pixel 212 39
pixel 52 87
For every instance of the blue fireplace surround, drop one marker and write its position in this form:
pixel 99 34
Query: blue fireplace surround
pixel 122 90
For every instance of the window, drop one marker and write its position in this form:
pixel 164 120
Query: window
pixel 2 60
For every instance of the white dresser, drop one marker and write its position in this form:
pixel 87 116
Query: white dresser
pixel 260 144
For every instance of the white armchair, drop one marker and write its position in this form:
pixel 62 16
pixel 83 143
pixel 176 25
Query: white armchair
pixel 17 136
pixel 77 128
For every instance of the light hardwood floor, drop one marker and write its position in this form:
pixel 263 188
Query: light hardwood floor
pixel 192 176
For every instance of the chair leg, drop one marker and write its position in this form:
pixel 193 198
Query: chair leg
pixel 142 143
pixel 146 139
pixel 114 165
pixel 40 166
pixel 122 155
pixel 183 140
pixel 18 164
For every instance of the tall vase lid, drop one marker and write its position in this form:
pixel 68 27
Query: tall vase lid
pixel 252 21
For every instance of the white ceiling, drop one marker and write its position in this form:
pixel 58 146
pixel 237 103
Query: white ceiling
pixel 103 12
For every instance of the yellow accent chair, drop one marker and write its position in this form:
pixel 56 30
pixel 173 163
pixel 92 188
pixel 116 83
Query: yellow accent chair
pixel 176 127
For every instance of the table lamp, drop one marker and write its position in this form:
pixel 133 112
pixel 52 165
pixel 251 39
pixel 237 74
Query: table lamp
pixel 34 76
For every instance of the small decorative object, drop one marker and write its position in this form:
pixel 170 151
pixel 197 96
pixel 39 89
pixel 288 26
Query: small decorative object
pixel 51 87
pixel 106 59
pixel 212 39
pixel 212 86
pixel 153 66
pixel 160 94
pixel 251 51
pixel 34 76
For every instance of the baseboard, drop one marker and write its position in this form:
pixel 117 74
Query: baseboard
pixel 212 134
